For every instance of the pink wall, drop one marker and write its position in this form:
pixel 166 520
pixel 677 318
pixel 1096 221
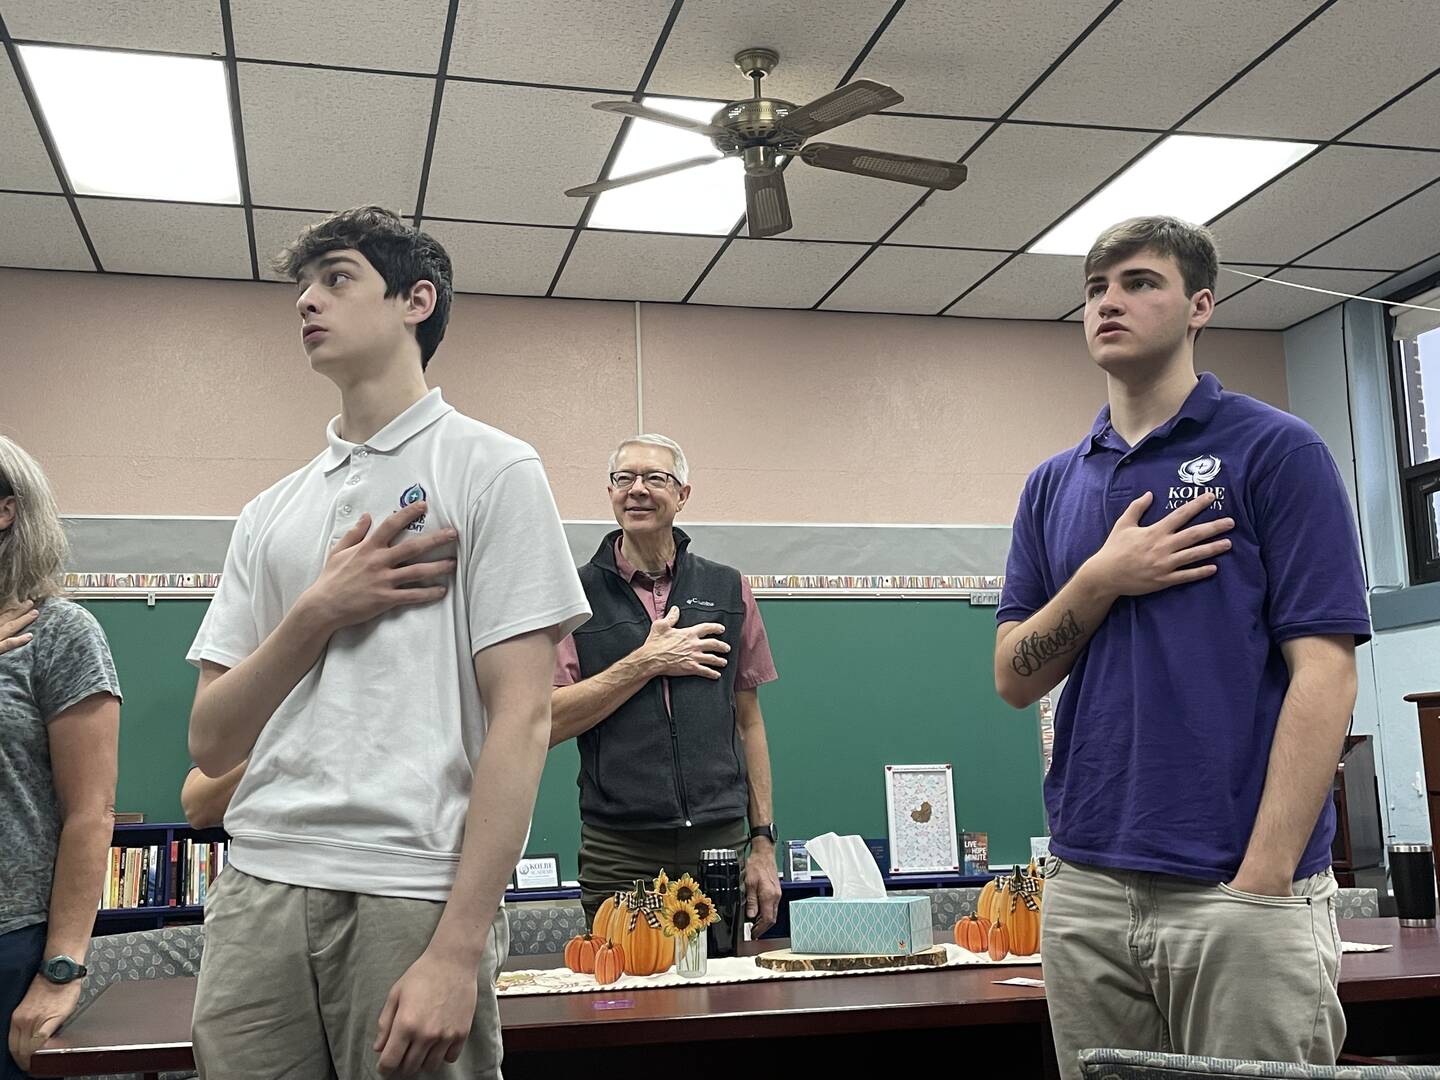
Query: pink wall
pixel 148 395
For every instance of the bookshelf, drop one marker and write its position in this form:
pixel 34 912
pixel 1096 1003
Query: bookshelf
pixel 159 835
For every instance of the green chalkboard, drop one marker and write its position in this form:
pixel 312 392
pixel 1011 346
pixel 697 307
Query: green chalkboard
pixel 863 683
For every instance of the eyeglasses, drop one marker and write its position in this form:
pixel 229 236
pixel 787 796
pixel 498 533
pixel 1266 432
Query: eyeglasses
pixel 653 480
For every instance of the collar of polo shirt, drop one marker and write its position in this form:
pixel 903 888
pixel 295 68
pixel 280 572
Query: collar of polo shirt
pixel 392 436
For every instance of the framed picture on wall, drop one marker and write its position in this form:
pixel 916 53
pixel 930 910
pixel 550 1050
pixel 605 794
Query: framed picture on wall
pixel 920 807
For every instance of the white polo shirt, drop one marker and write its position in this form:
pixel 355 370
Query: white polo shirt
pixel 361 779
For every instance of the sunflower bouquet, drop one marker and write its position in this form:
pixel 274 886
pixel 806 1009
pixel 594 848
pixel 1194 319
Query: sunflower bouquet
pixel 686 912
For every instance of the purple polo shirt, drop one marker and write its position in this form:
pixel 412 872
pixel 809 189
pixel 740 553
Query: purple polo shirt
pixel 1163 732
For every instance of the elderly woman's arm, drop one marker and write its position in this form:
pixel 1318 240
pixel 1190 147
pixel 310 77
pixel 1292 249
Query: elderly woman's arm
pixel 83 751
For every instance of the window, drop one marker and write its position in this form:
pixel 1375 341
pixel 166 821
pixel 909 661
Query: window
pixel 1416 387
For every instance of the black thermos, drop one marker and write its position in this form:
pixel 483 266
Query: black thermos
pixel 1412 873
pixel 720 881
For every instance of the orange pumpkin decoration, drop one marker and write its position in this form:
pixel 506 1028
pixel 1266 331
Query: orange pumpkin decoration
pixel 635 927
pixel 1020 911
pixel 973 933
pixel 604 918
pixel 609 963
pixel 580 954
pixel 987 906
pixel 999 942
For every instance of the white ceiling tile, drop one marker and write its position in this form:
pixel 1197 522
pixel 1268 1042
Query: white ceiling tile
pixel 1021 180
pixel 509 259
pixel 39 231
pixel 356 33
pixel 1227 282
pixel 1401 236
pixel 1274 307
pixel 1028 287
pixel 1084 89
pixel 776 273
pixel 635 266
pixel 275 230
pixel 190 26
pixel 817 44
pixel 507 153
pixel 138 237
pixel 974 59
pixel 1414 120
pixel 318 138
pixel 25 164
pixel 828 205
pixel 1350 60
pixel 918 281
pixel 565 42
pixel 1324 195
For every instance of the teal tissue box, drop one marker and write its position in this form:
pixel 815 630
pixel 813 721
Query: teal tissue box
pixel 889 926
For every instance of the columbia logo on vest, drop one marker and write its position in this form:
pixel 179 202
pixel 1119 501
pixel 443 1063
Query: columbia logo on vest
pixel 697 602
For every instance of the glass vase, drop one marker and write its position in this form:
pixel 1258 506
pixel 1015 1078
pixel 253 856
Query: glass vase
pixel 690 956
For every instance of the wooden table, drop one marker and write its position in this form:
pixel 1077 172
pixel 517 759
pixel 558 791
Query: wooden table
pixel 1390 999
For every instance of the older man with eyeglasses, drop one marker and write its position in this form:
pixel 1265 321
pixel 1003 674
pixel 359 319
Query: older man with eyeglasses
pixel 660 688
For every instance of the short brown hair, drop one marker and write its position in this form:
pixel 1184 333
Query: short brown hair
pixel 402 255
pixel 1192 246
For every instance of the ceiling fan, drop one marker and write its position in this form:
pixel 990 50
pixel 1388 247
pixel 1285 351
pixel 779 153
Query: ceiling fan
pixel 762 131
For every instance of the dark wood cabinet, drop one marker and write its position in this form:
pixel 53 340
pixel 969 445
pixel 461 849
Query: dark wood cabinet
pixel 1428 705
pixel 1358 843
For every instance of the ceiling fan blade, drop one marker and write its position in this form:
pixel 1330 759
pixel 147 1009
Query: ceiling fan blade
pixel 850 102
pixel 767 207
pixel 635 178
pixel 640 112
pixel 922 172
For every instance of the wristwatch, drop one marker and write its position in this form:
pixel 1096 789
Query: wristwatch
pixel 767 831
pixel 62 969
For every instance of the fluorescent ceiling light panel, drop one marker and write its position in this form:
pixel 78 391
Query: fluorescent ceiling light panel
pixel 707 199
pixel 137 125
pixel 1192 177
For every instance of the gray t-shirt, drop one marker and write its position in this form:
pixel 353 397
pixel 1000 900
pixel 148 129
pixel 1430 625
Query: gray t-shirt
pixel 67 661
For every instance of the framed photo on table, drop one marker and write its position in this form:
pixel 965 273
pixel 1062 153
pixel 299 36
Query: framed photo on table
pixel 920 807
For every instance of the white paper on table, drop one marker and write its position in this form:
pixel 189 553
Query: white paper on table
pixel 1361 946
pixel 1020 980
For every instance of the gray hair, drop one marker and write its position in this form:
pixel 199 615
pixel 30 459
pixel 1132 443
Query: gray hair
pixel 33 549
pixel 682 470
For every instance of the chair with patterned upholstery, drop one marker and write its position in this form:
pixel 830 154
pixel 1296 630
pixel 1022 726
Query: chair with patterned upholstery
pixel 1357 904
pixel 165 953
pixel 947 906
pixel 543 926
pixel 1105 1064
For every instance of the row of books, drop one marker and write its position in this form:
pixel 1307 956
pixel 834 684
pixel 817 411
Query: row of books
pixel 160 875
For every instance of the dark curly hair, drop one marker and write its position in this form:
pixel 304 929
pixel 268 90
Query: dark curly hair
pixel 401 254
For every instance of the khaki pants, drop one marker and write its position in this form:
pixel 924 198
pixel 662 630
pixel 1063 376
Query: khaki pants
pixel 1152 962
pixel 292 981
pixel 612 859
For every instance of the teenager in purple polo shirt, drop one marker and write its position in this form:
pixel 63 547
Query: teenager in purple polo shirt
pixel 1192 565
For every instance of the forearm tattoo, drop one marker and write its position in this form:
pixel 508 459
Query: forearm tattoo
pixel 1037 650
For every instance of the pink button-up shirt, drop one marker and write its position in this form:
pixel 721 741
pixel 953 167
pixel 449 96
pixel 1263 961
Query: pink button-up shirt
pixel 756 665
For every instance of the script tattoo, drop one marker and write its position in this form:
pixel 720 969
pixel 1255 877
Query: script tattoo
pixel 1037 650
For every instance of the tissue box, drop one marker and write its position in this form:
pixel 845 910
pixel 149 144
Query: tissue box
pixel 888 926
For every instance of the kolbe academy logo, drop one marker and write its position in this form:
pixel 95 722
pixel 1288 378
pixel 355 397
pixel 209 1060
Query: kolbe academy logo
pixel 1197 474
pixel 413 494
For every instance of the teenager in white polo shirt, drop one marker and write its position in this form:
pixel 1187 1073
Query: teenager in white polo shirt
pixel 380 648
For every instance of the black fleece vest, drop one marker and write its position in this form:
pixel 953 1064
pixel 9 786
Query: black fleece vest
pixel 639 767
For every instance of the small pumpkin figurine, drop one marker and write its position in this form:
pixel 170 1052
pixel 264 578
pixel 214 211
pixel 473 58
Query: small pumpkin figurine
pixel 580 954
pixel 636 928
pixel 609 963
pixel 999 942
pixel 973 933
